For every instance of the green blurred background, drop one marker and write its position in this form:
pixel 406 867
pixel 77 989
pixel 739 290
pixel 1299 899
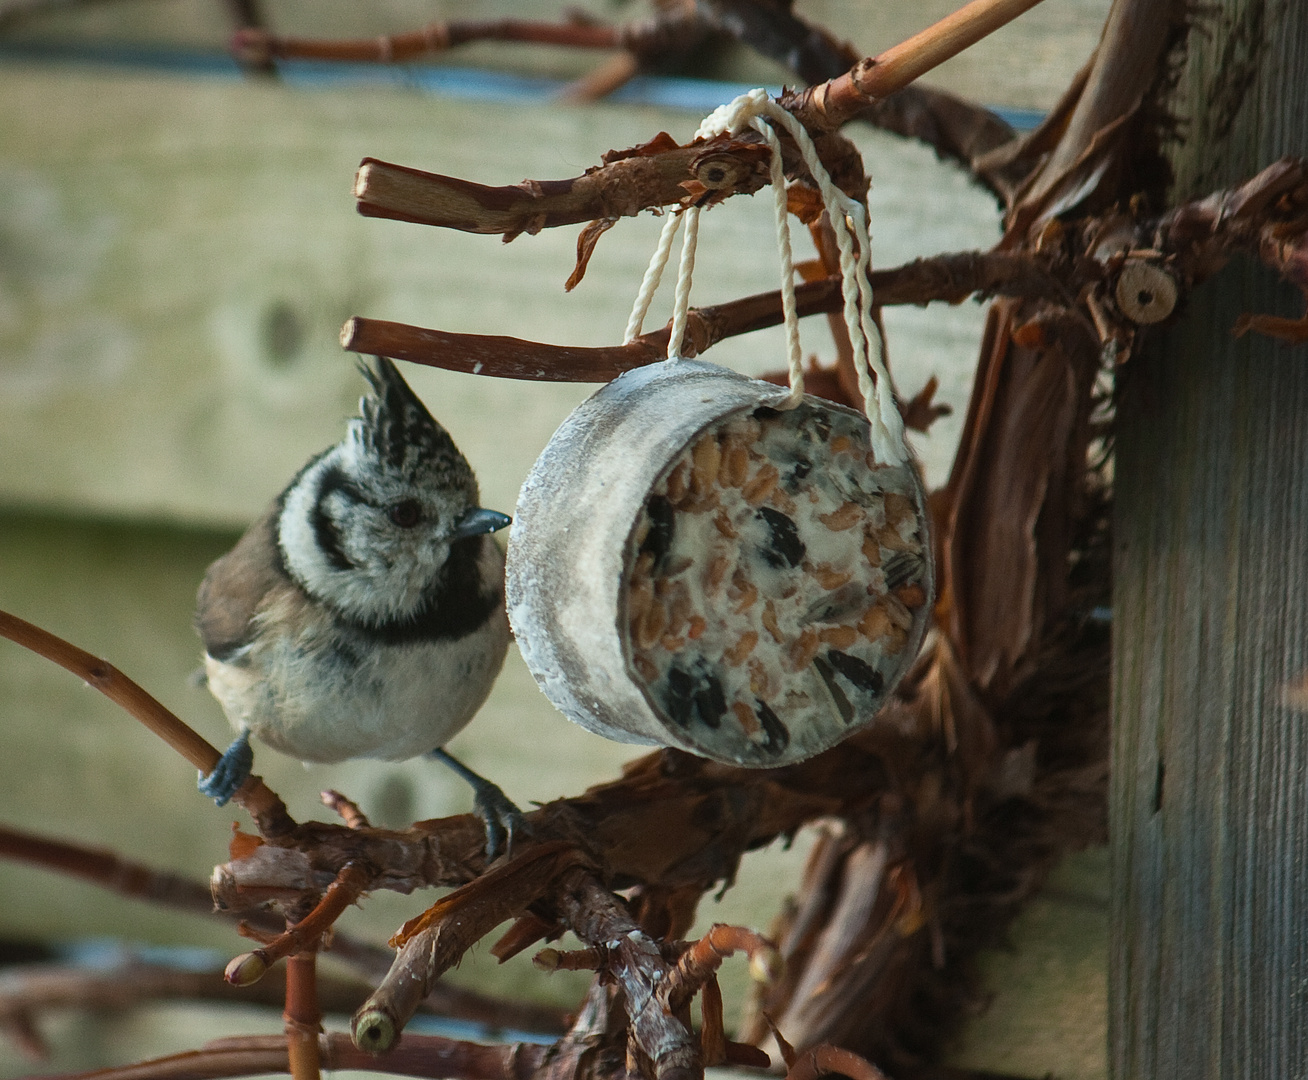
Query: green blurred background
pixel 178 250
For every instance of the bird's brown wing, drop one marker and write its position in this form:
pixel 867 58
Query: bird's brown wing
pixel 235 586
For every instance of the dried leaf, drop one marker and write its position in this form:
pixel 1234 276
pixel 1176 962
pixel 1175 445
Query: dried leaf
pixel 242 844
pixel 1294 331
pixel 661 143
pixel 919 412
pixel 805 203
pixel 586 242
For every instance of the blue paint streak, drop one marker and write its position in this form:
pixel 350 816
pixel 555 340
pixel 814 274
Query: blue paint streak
pixel 460 83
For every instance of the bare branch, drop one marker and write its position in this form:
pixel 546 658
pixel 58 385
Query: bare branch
pixel 108 870
pixel 261 802
pixel 436 940
pixel 829 105
pixel 823 1060
pixel 502 357
pixel 305 935
pixel 668 31
pixel 949 278
pixel 623 186
pixel 419 1055
pixel 598 918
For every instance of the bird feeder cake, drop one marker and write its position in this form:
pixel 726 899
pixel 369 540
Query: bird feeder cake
pixel 691 565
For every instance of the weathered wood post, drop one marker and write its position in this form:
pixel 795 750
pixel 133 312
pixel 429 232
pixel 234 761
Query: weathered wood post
pixel 1209 798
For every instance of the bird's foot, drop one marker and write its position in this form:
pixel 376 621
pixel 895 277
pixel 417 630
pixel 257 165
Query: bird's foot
pixel 503 820
pixel 232 770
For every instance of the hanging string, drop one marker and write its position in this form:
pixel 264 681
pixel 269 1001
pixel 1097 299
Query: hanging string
pixel 849 224
pixel 789 309
pixel 653 275
pixel 681 298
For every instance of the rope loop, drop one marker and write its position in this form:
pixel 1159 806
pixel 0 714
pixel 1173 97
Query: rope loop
pixel 849 223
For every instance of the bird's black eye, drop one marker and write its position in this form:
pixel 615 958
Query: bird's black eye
pixel 406 513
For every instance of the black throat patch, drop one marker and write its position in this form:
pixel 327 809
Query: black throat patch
pixel 457 603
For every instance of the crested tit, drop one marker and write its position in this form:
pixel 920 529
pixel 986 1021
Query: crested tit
pixel 363 614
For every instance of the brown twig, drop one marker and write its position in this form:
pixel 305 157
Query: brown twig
pixel 611 75
pixel 435 37
pixel 261 803
pixel 823 1060
pixel 419 1055
pixel 303 1016
pixel 829 105
pixel 948 278
pixel 249 18
pixel 303 938
pixel 637 964
pixel 701 961
pixel 629 184
pixel 436 940
pixel 28 991
pixel 621 187
pixel 569 959
pixel 502 357
pixel 108 870
pixel 346 809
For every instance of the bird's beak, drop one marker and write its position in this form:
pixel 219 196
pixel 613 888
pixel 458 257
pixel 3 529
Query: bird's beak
pixel 479 521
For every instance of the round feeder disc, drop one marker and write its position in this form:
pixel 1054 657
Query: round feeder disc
pixel 692 566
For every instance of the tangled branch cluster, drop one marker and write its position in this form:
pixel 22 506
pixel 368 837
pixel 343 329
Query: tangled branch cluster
pixel 990 761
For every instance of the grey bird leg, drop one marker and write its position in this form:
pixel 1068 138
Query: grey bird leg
pixel 503 820
pixel 232 770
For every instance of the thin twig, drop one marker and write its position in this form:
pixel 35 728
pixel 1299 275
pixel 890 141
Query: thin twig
pixel 346 809
pixel 260 801
pixel 823 1060
pixel 621 187
pixel 419 1055
pixel 436 940
pixel 948 278
pixel 701 961
pixel 352 879
pixel 599 919
pixel 303 1016
pixel 502 357
pixel 108 870
pixel 435 37
pixel 829 105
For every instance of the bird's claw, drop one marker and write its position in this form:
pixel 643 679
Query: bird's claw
pixel 503 820
pixel 231 771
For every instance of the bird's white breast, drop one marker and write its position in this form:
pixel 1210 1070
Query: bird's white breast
pixel 320 692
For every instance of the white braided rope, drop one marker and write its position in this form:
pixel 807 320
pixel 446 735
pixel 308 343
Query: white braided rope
pixel 653 275
pixel 789 309
pixel 685 269
pixel 848 222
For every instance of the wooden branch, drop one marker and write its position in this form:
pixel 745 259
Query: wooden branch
pixel 108 870
pixel 346 809
pixel 658 175
pixel 433 38
pixel 636 963
pixel 671 30
pixel 824 1060
pixel 949 278
pixel 700 962
pixel 302 1016
pixel 828 105
pixel 502 357
pixel 37 988
pixel 137 881
pixel 419 1055
pixel 436 940
pixel 621 187
pixel 258 800
pixel 304 936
